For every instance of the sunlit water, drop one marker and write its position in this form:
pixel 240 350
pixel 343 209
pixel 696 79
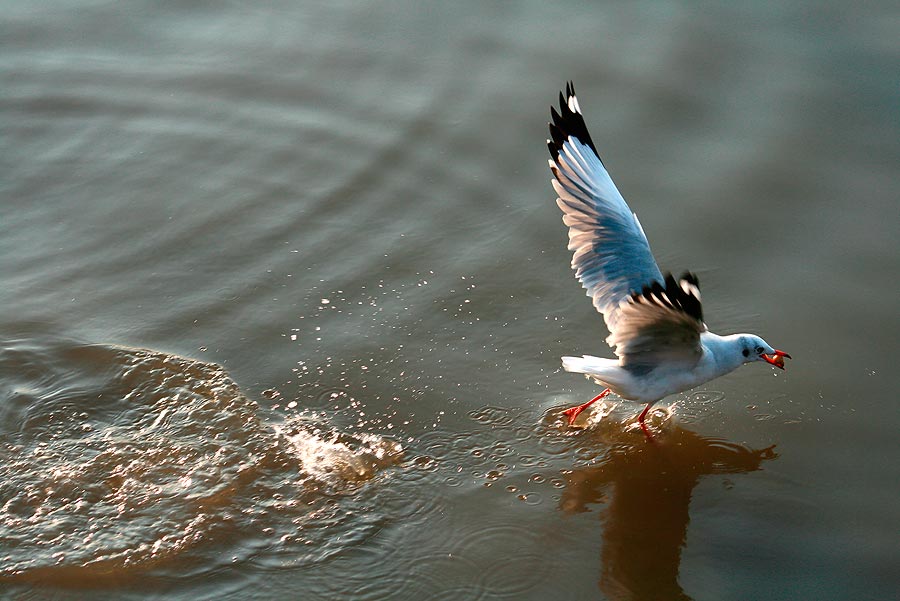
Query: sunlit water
pixel 284 291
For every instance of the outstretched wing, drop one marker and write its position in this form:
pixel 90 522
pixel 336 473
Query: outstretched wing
pixel 652 319
pixel 612 257
pixel 661 324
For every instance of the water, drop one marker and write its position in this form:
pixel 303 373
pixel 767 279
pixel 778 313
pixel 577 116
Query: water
pixel 285 289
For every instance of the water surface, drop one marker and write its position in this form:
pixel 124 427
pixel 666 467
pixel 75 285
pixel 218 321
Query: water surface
pixel 285 290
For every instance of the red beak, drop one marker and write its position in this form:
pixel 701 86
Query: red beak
pixel 776 359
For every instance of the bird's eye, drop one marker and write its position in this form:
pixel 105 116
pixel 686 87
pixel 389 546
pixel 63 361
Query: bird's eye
pixel 759 350
pixel 746 352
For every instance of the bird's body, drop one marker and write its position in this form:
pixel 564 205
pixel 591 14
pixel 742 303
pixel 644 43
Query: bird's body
pixel 649 384
pixel 655 321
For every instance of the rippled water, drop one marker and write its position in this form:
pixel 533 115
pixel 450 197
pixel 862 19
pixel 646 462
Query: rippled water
pixel 284 291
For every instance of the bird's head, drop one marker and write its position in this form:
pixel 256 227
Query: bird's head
pixel 754 348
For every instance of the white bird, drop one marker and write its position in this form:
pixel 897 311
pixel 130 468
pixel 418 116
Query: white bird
pixel 655 322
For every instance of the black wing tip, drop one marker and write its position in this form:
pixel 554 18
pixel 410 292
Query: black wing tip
pixel 568 122
pixel 691 278
pixel 682 294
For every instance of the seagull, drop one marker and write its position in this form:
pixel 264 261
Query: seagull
pixel 655 321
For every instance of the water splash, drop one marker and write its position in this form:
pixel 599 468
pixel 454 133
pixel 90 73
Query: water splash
pixel 113 459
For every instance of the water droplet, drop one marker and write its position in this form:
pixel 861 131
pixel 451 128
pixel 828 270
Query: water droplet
pixel 530 498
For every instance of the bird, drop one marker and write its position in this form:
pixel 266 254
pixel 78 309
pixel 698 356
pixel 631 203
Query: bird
pixel 655 321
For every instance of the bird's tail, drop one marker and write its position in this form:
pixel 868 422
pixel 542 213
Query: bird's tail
pixel 606 372
pixel 586 364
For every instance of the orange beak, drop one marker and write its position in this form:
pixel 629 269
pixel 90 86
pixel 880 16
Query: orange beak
pixel 776 359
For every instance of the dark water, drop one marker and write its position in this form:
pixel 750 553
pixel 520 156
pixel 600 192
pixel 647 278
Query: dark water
pixel 284 290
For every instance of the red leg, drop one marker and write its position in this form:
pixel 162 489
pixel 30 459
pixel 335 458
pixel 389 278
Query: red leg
pixel 572 412
pixel 644 413
pixel 641 417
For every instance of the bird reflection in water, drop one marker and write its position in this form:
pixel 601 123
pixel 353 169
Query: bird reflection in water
pixel 646 488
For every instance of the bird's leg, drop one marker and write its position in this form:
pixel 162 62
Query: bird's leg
pixel 572 412
pixel 641 417
pixel 644 413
